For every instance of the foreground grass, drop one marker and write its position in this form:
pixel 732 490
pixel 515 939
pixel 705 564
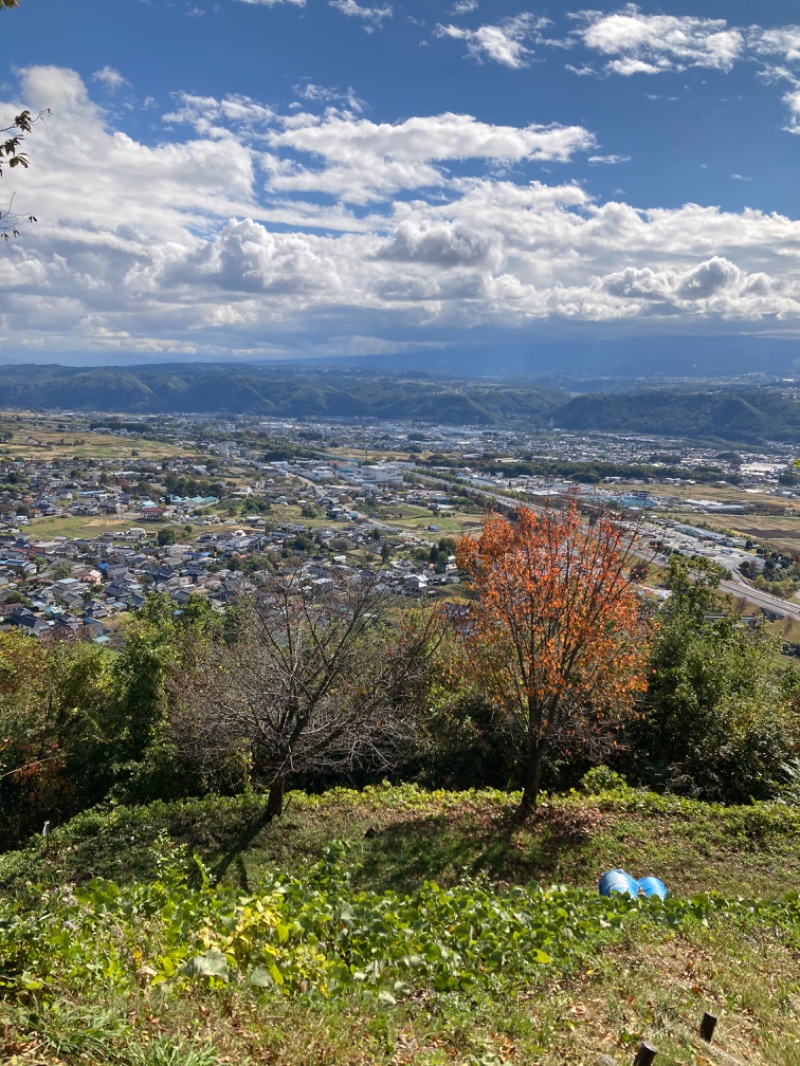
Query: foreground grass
pixel 503 970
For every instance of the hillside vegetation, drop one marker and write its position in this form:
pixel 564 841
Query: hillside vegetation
pixel 739 414
pixel 401 926
pixel 748 415
pixel 194 388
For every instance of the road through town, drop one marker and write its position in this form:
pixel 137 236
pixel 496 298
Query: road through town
pixel 736 586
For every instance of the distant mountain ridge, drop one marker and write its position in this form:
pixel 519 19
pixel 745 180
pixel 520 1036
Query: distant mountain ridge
pixel 745 414
pixel 742 414
pixel 588 354
pixel 289 393
pixel 584 351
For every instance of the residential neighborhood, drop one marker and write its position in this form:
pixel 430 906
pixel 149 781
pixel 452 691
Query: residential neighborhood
pixel 95 513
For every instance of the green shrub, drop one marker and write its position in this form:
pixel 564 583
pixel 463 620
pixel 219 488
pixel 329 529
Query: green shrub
pixel 321 935
pixel 603 779
pixel 720 721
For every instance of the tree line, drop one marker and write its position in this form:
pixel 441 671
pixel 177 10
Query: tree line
pixel 590 472
pixel 551 665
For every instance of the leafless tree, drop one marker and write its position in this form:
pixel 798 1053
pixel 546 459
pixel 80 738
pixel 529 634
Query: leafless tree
pixel 314 676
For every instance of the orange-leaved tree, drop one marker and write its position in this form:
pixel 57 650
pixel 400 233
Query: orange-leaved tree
pixel 555 634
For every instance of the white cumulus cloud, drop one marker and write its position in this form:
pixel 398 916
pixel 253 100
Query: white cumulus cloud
pixel 373 16
pixel 112 79
pixel 716 286
pixel 504 42
pixel 782 42
pixel 215 241
pixel 641 43
pixel 363 159
pixel 632 42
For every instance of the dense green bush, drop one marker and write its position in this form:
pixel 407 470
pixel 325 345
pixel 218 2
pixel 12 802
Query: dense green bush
pixel 79 724
pixel 720 720
pixel 463 743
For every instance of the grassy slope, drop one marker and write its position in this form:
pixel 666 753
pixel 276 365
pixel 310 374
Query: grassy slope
pixel 648 982
pixel 400 836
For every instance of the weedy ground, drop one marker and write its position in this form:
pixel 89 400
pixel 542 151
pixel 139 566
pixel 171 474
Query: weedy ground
pixel 430 935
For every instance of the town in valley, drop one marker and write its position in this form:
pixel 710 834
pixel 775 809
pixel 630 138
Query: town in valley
pixel 97 511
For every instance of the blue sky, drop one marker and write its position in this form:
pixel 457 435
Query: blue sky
pixel 247 178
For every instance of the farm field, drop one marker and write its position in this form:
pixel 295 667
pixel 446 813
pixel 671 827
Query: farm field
pixel 778 532
pixel 35 439
pixel 720 493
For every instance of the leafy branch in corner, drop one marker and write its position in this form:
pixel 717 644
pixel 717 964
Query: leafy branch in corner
pixel 11 156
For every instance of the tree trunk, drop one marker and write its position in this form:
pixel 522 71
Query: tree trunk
pixel 275 798
pixel 533 775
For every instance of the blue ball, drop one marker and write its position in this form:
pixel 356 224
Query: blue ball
pixel 618 881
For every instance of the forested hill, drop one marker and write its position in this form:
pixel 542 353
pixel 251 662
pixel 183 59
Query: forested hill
pixel 749 415
pixel 738 414
pixel 288 393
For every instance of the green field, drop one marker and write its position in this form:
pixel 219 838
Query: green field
pixel 416 519
pixel 447 525
pixel 77 526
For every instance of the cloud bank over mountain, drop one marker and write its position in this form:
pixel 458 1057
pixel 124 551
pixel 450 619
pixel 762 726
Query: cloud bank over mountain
pixel 236 225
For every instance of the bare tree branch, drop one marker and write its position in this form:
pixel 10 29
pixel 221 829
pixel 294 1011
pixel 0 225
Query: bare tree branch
pixel 316 678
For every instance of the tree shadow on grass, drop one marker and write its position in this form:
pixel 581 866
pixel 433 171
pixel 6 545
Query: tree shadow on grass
pixel 445 849
pixel 232 856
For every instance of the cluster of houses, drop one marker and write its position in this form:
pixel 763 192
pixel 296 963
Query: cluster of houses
pixel 79 587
